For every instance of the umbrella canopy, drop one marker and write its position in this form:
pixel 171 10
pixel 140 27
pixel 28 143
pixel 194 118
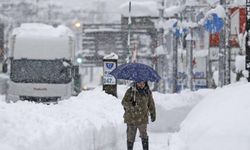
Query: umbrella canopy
pixel 136 72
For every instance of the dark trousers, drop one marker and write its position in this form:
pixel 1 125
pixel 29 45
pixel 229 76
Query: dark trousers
pixel 131 132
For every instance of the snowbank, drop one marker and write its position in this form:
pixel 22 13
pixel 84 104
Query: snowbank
pixel 91 121
pixel 219 122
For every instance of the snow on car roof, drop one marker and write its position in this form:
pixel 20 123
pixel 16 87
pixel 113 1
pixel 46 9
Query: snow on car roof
pixel 41 30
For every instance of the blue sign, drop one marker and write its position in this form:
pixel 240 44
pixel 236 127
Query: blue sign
pixel 107 78
pixel 213 24
pixel 109 65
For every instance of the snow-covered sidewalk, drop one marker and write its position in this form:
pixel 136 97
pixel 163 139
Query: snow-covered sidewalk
pixel 157 141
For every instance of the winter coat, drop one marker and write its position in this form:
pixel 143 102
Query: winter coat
pixel 138 108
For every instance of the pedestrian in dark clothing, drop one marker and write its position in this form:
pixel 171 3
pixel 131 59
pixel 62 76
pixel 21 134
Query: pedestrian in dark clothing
pixel 138 104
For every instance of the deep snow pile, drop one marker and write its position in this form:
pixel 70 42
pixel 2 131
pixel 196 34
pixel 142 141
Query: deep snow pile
pixel 220 122
pixel 91 121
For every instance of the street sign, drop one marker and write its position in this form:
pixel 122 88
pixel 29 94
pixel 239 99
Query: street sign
pixel 109 81
pixel 107 78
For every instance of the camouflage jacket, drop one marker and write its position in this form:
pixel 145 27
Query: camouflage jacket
pixel 137 112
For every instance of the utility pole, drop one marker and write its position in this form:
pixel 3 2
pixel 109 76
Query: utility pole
pixel 129 32
pixel 37 9
pixel 189 50
pixel 50 12
pixel 161 65
pixel 190 60
pixel 247 44
pixel 174 61
pixel 228 50
pixel 161 18
pixel 222 55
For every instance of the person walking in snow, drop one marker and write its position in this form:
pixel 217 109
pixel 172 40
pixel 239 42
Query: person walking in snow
pixel 138 104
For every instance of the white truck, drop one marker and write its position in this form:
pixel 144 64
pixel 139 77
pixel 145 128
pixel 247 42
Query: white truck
pixel 41 63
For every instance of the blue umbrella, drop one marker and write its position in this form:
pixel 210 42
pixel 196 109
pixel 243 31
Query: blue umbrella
pixel 214 23
pixel 136 72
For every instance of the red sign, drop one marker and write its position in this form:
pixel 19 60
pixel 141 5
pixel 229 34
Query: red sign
pixel 214 39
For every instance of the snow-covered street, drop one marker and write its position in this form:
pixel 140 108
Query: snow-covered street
pixel 91 121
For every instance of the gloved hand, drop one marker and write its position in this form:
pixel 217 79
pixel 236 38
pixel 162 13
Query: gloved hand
pixel 133 103
pixel 153 117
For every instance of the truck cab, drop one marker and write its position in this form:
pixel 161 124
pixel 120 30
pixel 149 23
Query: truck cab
pixel 41 63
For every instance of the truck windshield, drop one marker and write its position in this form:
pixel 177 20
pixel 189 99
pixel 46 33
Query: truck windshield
pixel 40 71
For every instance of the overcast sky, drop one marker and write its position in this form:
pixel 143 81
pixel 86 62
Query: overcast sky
pixel 113 4
pixel 89 3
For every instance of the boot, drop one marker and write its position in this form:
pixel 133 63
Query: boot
pixel 130 145
pixel 145 144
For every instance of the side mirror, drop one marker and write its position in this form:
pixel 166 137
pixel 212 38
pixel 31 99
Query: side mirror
pixel 5 68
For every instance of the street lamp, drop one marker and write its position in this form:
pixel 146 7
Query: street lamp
pixel 77 28
pixel 79 60
pixel 77 24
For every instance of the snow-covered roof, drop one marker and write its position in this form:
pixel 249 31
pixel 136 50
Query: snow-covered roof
pixel 138 8
pixel 192 3
pixel 171 11
pixel 237 3
pixel 111 56
pixel 102 30
pixel 41 30
pixel 219 10
pixel 41 41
